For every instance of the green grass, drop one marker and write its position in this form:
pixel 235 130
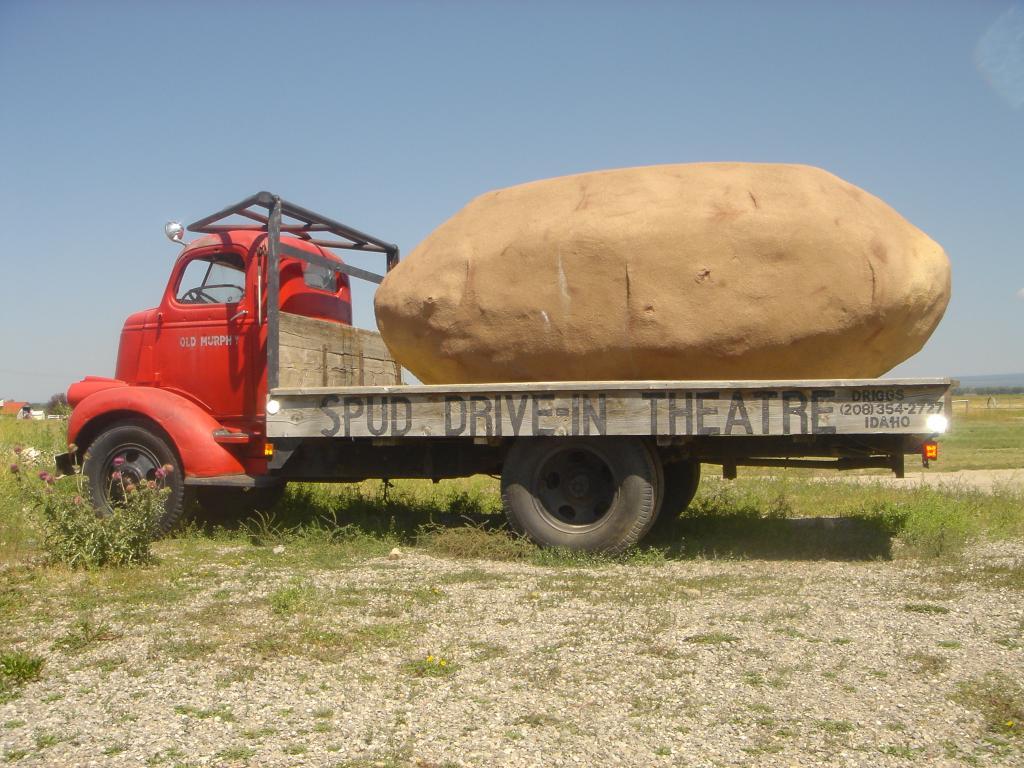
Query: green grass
pixel 199 713
pixel 836 727
pixel 16 669
pixel 925 608
pixel 984 438
pixel 712 638
pixel 797 518
pixel 334 644
pixel 83 634
pixel 788 515
pixel 999 698
pixel 236 753
pixel 927 663
pixel 429 666
pixel 298 595
pixel 904 751
pixel 538 720
pixel 20 667
pixel 784 517
pixel 16 532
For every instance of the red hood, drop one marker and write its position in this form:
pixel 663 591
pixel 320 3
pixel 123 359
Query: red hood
pixel 80 390
pixel 137 320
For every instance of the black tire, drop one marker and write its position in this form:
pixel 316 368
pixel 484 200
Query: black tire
pixel 592 495
pixel 236 502
pixel 143 452
pixel 659 501
pixel 681 481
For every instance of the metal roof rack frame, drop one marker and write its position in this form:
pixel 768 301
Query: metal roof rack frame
pixel 286 217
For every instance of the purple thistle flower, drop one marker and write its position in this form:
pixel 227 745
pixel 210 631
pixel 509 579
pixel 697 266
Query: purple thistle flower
pixel 115 475
pixel 44 475
pixel 119 461
pixel 17 450
pixel 15 469
pixel 159 473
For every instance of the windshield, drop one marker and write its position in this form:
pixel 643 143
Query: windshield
pixel 218 279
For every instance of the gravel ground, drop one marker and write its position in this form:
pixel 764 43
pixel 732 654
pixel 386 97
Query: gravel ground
pixel 986 480
pixel 222 659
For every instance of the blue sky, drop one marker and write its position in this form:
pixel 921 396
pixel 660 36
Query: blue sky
pixel 392 115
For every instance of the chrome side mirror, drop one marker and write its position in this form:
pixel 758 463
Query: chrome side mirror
pixel 175 232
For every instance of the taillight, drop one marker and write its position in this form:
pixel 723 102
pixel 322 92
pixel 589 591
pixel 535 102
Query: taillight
pixel 930 451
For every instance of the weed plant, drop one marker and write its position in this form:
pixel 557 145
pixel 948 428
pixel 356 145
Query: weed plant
pixel 429 666
pixel 73 532
pixel 1000 700
pixel 16 669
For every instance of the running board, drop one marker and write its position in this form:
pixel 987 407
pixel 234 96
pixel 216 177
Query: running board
pixel 233 481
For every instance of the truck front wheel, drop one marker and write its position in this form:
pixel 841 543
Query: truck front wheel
pixel 132 449
pixel 594 495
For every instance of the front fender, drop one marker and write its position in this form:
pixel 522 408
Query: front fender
pixel 189 427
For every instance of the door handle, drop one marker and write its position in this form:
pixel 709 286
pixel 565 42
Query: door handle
pixel 240 313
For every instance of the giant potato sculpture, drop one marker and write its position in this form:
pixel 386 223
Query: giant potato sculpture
pixel 702 271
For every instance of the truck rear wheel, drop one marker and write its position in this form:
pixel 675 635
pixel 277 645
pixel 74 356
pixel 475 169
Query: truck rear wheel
pixel 660 486
pixel 681 481
pixel 132 449
pixel 594 495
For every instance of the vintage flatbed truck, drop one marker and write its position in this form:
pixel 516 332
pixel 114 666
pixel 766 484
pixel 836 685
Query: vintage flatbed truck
pixel 249 375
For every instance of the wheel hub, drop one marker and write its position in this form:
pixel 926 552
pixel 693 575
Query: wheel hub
pixel 136 465
pixel 579 486
pixel 575 487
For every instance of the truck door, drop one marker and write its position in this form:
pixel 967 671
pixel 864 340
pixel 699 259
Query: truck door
pixel 206 335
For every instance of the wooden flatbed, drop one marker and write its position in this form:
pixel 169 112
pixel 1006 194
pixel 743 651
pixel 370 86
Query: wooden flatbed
pixel 645 408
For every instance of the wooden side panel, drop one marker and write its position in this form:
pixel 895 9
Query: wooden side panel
pixel 880 408
pixel 316 353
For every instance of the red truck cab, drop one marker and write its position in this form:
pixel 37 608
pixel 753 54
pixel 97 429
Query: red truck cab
pixel 191 378
pixel 204 341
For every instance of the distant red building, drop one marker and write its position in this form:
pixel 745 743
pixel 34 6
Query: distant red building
pixel 11 408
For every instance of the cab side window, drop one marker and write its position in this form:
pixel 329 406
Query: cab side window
pixel 216 279
pixel 321 278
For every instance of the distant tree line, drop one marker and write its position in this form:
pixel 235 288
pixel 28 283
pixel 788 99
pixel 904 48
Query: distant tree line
pixel 989 391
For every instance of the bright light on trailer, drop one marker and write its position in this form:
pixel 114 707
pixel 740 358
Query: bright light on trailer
pixel 273 407
pixel 937 423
